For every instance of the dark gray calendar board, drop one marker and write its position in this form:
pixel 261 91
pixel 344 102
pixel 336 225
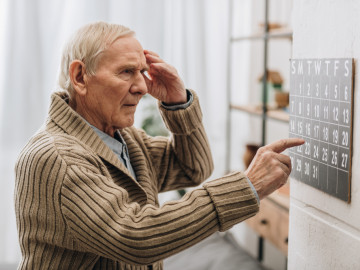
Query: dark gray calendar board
pixel 321 112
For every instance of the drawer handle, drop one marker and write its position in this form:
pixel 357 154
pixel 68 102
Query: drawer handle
pixel 264 222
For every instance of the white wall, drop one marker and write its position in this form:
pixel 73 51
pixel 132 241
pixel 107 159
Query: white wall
pixel 324 231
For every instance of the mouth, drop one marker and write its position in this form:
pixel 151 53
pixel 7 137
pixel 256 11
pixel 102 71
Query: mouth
pixel 130 106
pixel 131 103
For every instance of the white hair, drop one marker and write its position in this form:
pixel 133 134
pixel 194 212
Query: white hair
pixel 86 45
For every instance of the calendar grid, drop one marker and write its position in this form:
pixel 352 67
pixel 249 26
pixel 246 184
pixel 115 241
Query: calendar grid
pixel 321 93
pixel 305 137
pixel 321 162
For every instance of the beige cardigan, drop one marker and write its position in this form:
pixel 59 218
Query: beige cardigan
pixel 78 207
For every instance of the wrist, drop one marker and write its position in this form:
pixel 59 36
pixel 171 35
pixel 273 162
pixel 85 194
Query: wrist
pixel 179 99
pixel 189 100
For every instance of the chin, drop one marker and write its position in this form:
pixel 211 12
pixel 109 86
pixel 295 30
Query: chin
pixel 126 124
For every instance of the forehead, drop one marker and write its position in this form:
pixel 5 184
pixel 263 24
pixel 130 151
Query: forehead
pixel 124 51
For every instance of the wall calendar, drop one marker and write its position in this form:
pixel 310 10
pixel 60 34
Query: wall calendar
pixel 321 112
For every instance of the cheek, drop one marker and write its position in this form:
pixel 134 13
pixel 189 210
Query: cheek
pixel 117 93
pixel 112 100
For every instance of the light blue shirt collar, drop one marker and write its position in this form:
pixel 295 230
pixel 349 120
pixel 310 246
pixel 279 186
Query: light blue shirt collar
pixel 117 145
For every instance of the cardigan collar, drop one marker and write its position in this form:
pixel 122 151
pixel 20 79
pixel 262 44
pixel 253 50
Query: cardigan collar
pixel 73 124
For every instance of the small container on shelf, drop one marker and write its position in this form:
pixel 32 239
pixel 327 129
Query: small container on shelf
pixel 274 85
pixel 282 99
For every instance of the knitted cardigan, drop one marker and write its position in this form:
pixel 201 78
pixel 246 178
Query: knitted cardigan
pixel 78 207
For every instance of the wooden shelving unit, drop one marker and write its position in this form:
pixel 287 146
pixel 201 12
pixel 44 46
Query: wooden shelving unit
pixel 272 222
pixel 273 34
pixel 271 113
pixel 263 110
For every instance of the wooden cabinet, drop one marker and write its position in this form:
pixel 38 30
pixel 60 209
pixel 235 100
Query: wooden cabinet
pixel 272 221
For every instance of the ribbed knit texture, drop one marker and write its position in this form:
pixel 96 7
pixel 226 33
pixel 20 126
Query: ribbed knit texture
pixel 78 207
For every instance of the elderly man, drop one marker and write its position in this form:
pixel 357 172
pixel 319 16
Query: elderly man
pixel 87 182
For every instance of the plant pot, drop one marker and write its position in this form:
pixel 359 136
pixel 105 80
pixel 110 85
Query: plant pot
pixel 250 153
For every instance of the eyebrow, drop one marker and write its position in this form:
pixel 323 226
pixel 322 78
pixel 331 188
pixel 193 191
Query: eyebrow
pixel 134 67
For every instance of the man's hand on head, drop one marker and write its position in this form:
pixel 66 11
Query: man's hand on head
pixel 164 82
pixel 270 169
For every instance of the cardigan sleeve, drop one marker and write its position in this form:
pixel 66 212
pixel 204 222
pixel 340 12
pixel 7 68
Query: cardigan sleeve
pixel 184 159
pixel 104 221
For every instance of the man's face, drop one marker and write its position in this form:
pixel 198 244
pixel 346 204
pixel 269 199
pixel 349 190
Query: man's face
pixel 115 90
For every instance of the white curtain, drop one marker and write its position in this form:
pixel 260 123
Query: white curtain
pixel 192 35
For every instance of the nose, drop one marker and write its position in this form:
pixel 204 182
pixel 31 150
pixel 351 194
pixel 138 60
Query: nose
pixel 139 85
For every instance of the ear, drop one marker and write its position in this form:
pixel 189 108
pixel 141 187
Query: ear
pixel 77 74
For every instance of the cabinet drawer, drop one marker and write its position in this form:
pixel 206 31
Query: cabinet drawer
pixel 272 223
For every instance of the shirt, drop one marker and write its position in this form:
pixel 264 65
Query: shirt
pixel 118 146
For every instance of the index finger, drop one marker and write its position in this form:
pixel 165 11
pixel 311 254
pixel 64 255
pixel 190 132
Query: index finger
pixel 151 53
pixel 283 144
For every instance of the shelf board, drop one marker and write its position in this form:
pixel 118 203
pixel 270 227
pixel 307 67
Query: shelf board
pixel 276 114
pixel 277 33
